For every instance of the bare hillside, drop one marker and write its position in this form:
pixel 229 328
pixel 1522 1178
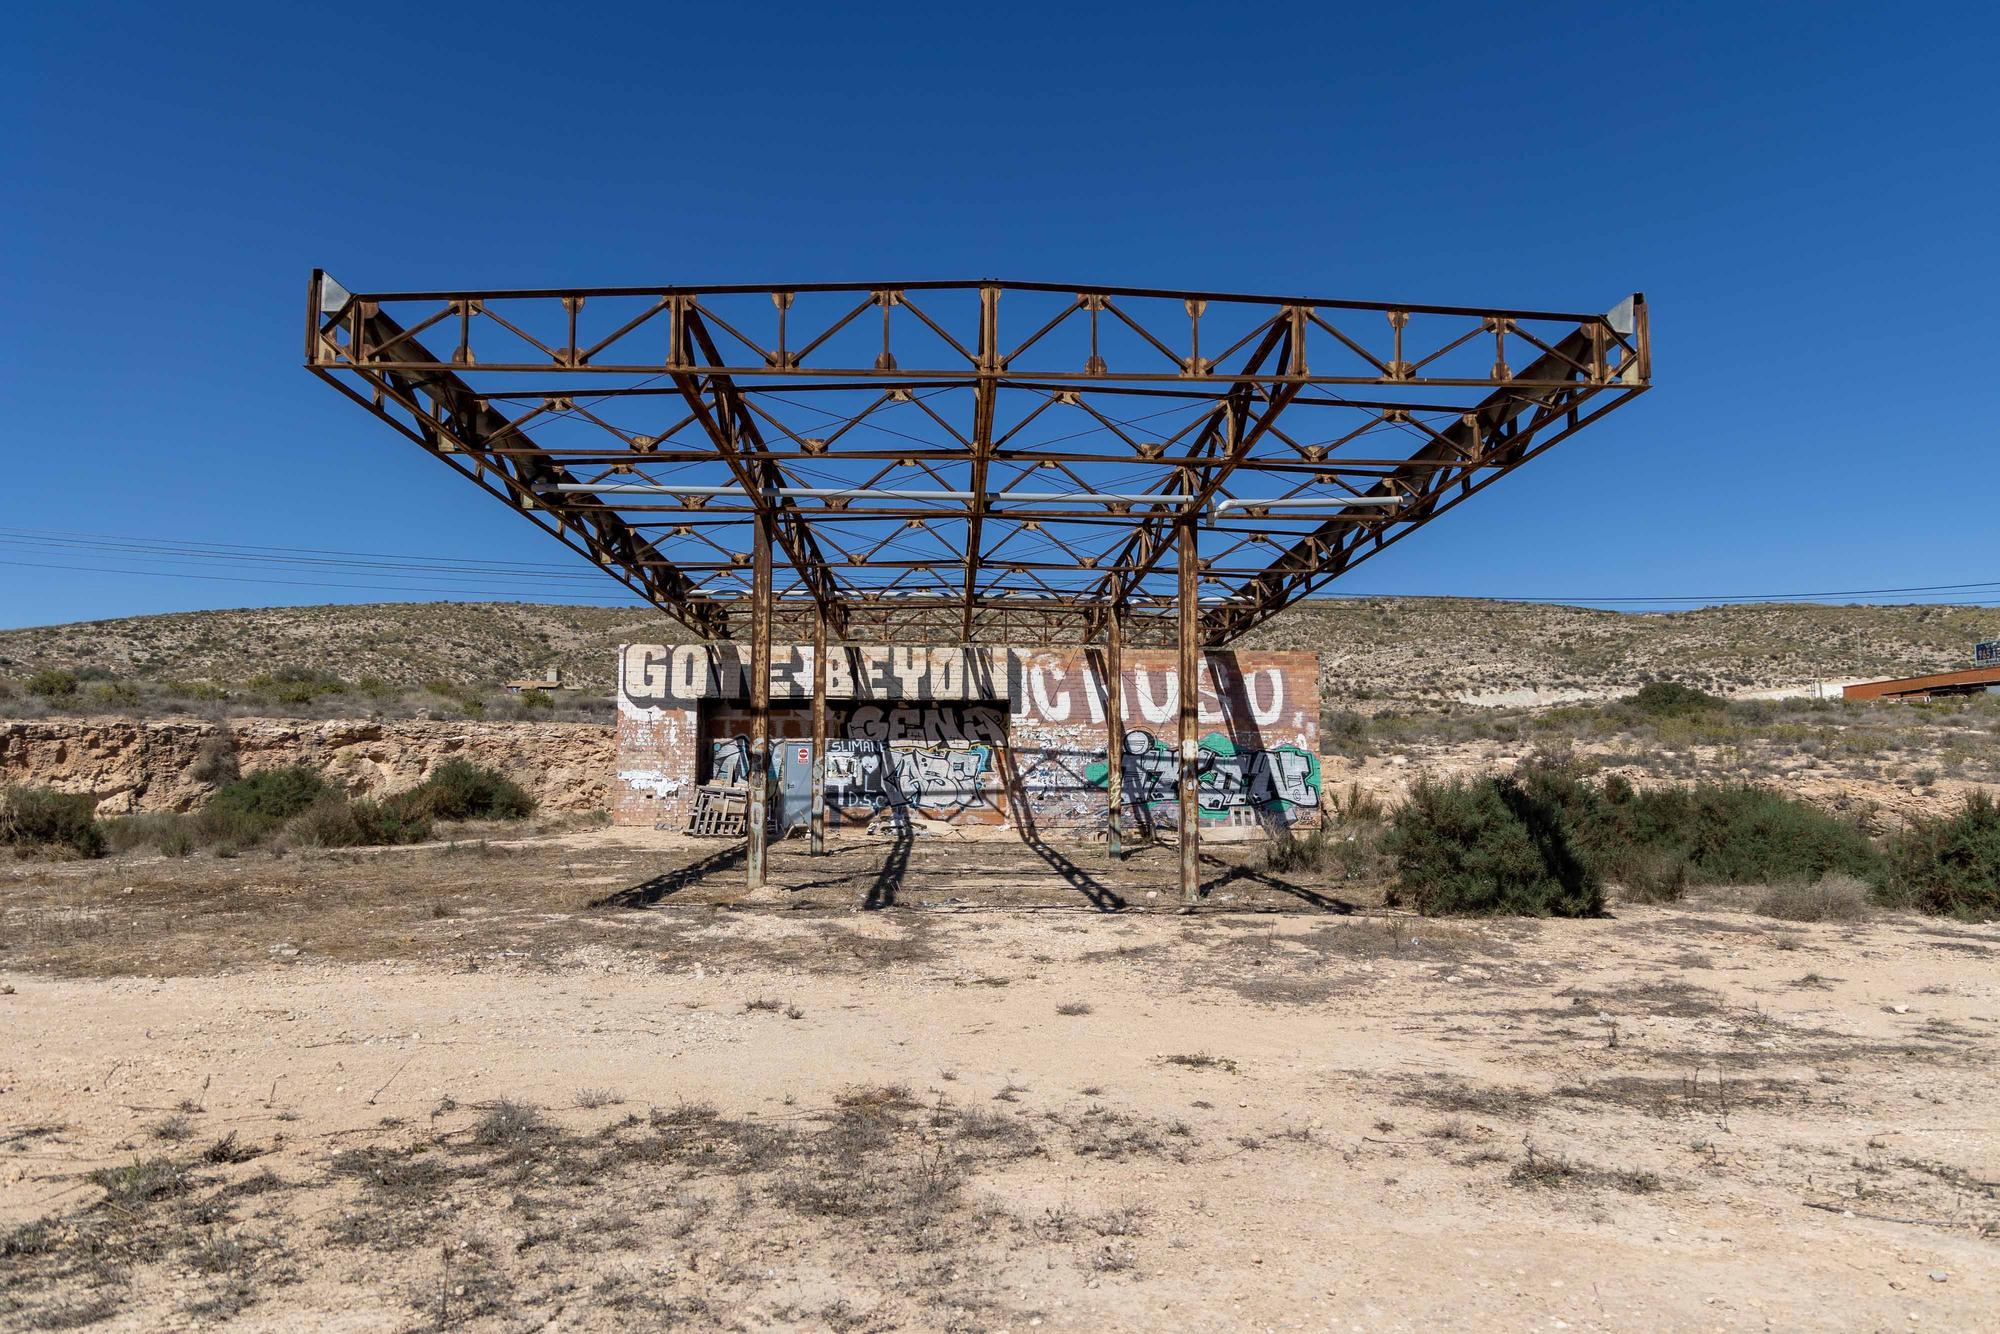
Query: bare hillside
pixel 1375 652
pixel 1436 650
pixel 400 643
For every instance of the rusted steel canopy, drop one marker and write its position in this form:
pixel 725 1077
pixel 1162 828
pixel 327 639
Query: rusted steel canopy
pixel 975 462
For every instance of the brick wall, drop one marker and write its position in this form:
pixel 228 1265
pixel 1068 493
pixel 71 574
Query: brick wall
pixel 1035 751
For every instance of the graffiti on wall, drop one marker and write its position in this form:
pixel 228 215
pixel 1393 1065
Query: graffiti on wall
pixel 969 724
pixel 939 781
pixel 935 760
pixel 938 730
pixel 729 760
pixel 1280 781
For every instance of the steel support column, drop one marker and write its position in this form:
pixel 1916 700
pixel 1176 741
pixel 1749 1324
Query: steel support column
pixel 817 845
pixel 1190 691
pixel 1114 730
pixel 760 703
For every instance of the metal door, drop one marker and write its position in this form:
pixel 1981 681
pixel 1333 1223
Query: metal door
pixel 794 784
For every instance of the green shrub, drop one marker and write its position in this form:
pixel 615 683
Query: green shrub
pixel 1343 732
pixel 1649 875
pixel 40 819
pixel 296 685
pixel 115 695
pixel 1345 852
pixel 1356 806
pixel 1731 835
pixel 1488 846
pixel 52 684
pixel 1656 843
pixel 1671 699
pixel 462 790
pixel 1298 852
pixel 1951 864
pixel 248 809
pixel 335 822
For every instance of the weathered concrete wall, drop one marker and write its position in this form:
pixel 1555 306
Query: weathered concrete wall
pixel 1259 737
pixel 981 736
pixel 142 765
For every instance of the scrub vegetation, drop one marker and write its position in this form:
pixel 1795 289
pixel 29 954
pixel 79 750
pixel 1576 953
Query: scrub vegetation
pixel 283 808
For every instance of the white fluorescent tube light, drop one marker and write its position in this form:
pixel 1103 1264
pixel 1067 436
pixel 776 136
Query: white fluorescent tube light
pixel 1328 503
pixel 864 493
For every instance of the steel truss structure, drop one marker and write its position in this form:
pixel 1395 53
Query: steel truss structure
pixel 973 462
pixel 977 462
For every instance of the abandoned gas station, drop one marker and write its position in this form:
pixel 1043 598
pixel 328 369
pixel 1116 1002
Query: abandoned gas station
pixel 948 548
pixel 971 737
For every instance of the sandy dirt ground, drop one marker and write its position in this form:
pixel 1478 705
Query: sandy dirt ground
pixel 578 1084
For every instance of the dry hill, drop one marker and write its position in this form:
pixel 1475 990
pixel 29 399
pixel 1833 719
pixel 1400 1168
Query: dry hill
pixel 1376 652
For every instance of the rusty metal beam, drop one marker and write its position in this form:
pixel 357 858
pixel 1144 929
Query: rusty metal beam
pixel 1488 443
pixel 1114 732
pixel 817 845
pixel 982 445
pixel 949 400
pixel 776 517
pixel 1189 713
pixel 759 778
pixel 447 420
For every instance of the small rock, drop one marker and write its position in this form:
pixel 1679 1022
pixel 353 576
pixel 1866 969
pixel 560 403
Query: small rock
pixel 1900 1009
pixel 1939 1276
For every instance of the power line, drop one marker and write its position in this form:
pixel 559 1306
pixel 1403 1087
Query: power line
pixel 508 594
pixel 1705 599
pixel 56 534
pixel 392 569
pixel 391 572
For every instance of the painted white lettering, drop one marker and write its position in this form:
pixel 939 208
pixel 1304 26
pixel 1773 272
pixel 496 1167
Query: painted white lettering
pixel 1054 707
pixel 908 666
pixel 1265 711
pixel 839 674
pixel 690 677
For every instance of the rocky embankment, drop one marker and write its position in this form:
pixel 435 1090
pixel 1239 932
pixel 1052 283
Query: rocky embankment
pixel 133 765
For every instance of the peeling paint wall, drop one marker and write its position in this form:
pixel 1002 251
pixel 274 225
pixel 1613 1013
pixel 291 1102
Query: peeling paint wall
pixel 979 736
pixel 657 750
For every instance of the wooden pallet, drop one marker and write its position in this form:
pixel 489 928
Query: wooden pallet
pixel 719 811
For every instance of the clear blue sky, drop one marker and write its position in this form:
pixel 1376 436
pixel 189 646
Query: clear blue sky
pixel 1807 194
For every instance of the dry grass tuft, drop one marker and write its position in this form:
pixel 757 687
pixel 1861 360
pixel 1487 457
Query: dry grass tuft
pixel 1835 898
